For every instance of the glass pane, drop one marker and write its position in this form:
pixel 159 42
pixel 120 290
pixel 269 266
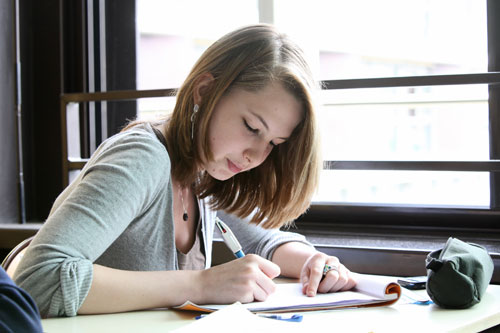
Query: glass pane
pixel 391 38
pixel 412 124
pixel 427 188
pixel 356 39
pixel 154 108
pixel 173 34
pixel 421 124
pixel 385 38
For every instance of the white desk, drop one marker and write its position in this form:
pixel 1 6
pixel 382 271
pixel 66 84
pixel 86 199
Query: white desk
pixel 396 318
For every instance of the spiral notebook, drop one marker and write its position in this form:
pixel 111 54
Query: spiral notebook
pixel 370 291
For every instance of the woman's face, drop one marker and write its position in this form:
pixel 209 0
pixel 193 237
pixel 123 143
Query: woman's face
pixel 245 126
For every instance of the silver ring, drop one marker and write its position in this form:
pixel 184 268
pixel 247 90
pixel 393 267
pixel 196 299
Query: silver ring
pixel 328 268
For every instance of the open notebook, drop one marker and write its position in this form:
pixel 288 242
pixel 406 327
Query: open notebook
pixel 370 291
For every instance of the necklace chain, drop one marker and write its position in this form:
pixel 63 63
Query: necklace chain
pixel 185 214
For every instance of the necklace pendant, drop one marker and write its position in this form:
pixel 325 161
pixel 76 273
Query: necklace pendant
pixel 185 216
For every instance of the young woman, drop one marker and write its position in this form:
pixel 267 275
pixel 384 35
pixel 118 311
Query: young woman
pixel 134 230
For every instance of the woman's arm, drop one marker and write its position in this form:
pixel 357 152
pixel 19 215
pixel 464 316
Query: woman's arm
pixel 255 239
pixel 295 256
pixel 291 257
pixel 121 181
pixel 114 290
pixel 245 280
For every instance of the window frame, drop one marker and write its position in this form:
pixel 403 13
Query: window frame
pixel 323 215
pixel 330 226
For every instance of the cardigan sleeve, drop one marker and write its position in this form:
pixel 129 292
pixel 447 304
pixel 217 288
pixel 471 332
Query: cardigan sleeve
pixel 116 186
pixel 257 240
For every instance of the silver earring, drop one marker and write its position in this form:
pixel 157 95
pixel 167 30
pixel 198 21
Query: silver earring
pixel 195 110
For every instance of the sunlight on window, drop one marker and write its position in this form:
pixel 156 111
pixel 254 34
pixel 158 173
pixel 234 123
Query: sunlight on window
pixel 387 38
pixel 173 34
pixel 363 38
pixel 427 188
pixel 356 39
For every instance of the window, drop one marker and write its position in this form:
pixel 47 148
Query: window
pixel 363 39
pixel 410 107
pixel 387 142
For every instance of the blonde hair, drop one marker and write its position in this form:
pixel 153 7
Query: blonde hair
pixel 280 189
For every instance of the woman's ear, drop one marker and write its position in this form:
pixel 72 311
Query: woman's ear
pixel 203 83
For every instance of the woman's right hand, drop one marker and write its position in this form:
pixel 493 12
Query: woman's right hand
pixel 245 280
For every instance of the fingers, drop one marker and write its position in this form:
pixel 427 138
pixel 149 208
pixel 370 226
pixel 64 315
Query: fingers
pixel 269 268
pixel 336 278
pixel 351 283
pixel 314 274
pixel 264 283
pixel 246 280
pixel 258 274
pixel 262 290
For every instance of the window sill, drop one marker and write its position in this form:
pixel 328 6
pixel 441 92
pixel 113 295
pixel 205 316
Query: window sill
pixel 361 249
pixel 389 251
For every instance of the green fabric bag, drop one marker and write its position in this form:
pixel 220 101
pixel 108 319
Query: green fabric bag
pixel 458 274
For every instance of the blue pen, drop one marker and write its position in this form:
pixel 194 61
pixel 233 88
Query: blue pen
pixel 293 318
pixel 229 238
pixel 201 316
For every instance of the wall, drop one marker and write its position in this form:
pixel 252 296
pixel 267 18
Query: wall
pixel 8 125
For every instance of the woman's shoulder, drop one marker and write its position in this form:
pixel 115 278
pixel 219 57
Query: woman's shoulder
pixel 137 150
pixel 141 133
pixel 139 141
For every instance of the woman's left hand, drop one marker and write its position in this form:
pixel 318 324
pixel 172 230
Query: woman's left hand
pixel 337 278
